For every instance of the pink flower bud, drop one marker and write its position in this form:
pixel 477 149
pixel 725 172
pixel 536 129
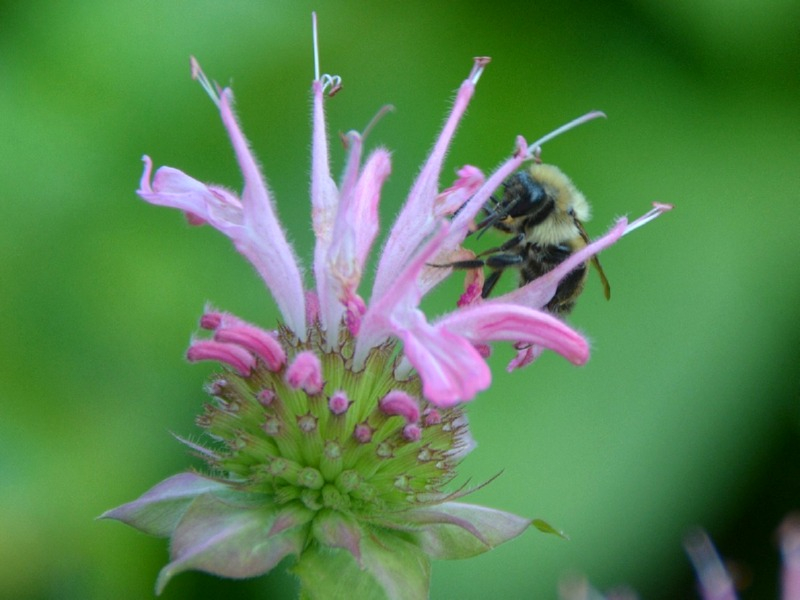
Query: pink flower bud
pixel 305 373
pixel 339 403
pixel 238 358
pixel 363 433
pixel 412 432
pixel 256 340
pixel 401 404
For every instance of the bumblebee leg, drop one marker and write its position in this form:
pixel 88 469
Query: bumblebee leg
pixel 509 244
pixel 462 264
pixel 489 283
pixel 498 263
pixel 494 217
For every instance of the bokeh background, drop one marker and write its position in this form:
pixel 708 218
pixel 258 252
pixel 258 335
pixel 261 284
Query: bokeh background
pixel 687 413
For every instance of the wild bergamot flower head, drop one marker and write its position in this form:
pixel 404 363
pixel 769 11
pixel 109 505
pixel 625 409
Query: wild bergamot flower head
pixel 332 437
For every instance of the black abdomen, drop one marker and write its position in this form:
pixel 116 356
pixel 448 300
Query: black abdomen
pixel 538 260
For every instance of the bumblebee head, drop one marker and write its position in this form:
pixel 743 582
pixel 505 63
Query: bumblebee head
pixel 544 202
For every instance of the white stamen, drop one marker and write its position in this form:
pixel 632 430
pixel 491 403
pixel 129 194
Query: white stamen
pixel 534 149
pixel 334 82
pixel 197 73
pixel 657 210
pixel 316 45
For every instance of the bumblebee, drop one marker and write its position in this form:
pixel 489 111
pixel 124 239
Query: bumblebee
pixel 544 213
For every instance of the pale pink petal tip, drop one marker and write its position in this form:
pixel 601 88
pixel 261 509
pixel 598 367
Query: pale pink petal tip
pixel 235 356
pixel 398 403
pixel 305 373
pixel 790 550
pixel 715 582
pixel 469 181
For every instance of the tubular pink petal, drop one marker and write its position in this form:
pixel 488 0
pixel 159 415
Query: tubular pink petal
pixel 264 242
pixel 657 210
pixel 305 373
pixel 526 354
pixel 460 224
pixel 491 321
pixel 364 206
pixel 451 370
pixel 790 550
pixel 715 581
pixel 235 356
pixel 397 307
pixel 538 292
pixel 174 189
pixel 470 179
pixel 354 312
pixel 324 206
pixel 257 341
pixel 356 226
pixel 417 219
pixel 399 403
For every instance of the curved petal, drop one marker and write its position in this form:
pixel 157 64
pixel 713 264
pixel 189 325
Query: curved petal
pixel 324 205
pixel 417 220
pixel 451 369
pixel 486 322
pixel 175 189
pixel 538 292
pixel 263 240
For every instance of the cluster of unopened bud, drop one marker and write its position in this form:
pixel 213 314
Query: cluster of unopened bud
pixel 294 420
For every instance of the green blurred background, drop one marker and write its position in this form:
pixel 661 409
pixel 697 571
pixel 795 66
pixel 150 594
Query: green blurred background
pixel 688 411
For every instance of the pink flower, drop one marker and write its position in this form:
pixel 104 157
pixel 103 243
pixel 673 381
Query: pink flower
pixel 310 459
pixel 447 352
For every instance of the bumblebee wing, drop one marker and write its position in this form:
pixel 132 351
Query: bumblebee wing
pixel 596 263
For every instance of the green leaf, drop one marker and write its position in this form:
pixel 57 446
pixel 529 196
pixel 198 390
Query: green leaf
pixel 392 569
pixel 453 530
pixel 545 527
pixel 159 510
pixel 224 539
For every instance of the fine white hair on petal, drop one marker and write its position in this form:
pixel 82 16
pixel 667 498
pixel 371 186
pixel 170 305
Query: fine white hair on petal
pixel 324 206
pixel 264 242
pixel 417 219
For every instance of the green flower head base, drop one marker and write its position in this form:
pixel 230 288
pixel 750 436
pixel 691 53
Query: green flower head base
pixel 332 438
pixel 342 468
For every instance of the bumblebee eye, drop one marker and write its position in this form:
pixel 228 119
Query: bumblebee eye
pixel 524 196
